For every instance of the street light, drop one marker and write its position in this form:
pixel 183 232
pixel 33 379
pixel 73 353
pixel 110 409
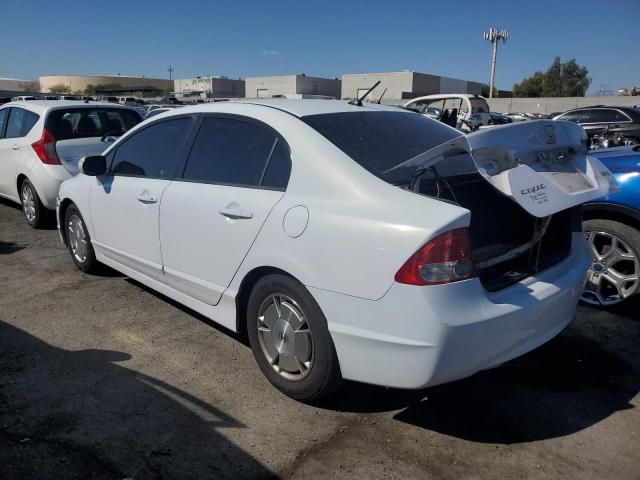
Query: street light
pixel 493 35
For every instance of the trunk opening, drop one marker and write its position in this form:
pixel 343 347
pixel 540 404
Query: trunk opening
pixel 508 243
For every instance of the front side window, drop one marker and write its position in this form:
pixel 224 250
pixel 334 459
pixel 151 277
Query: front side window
pixel 20 122
pixel 578 116
pixel 153 152
pixel 235 152
pixel 3 120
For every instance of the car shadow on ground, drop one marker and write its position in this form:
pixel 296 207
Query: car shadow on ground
pixel 571 383
pixel 565 386
pixel 83 414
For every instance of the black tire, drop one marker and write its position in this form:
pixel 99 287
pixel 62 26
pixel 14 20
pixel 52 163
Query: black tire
pixel 323 376
pixel 34 211
pixel 86 262
pixel 629 235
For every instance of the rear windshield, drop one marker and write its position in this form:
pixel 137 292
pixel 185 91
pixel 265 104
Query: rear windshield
pixel 68 123
pixel 381 140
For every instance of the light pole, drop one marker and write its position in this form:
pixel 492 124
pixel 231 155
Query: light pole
pixel 493 35
pixel 170 70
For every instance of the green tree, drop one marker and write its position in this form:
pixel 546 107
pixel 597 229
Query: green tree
pixel 485 91
pixel 30 86
pixel 59 88
pixel 530 87
pixel 561 80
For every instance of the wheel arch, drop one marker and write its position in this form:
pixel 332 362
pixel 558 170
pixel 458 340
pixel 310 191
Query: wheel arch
pixel 248 282
pixel 62 211
pixel 611 211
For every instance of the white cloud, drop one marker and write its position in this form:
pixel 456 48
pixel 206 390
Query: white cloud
pixel 270 53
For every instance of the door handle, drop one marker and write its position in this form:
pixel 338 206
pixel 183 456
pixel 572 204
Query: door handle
pixel 146 198
pixel 235 212
pixel 15 147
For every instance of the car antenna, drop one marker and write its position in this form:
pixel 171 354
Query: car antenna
pixel 380 99
pixel 358 101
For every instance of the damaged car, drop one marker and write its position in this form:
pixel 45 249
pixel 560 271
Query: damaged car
pixel 346 241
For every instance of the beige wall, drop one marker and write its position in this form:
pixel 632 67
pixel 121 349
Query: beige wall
pixel 556 104
pixel 80 82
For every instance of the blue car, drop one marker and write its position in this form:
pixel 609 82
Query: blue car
pixel 612 229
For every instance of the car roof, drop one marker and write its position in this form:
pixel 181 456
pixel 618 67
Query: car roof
pixel 295 107
pixel 43 106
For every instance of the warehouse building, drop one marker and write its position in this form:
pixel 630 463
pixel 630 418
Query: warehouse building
pixel 78 83
pixel 404 85
pixel 292 86
pixel 208 87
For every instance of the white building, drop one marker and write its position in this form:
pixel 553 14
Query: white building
pixel 208 87
pixel 292 86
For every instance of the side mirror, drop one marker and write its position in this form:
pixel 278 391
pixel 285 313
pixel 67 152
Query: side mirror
pixel 93 166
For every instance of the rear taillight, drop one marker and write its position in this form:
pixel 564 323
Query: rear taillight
pixel 45 148
pixel 445 259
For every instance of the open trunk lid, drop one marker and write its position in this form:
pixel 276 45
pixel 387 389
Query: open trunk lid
pixel 544 166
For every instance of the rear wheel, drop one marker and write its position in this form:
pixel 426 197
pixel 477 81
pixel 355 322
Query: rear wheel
pixel 290 339
pixel 34 211
pixel 79 242
pixel 614 275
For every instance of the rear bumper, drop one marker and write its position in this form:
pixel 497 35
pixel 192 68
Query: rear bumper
pixel 415 337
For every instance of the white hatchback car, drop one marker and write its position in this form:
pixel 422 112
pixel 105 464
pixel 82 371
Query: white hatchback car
pixel 41 142
pixel 359 242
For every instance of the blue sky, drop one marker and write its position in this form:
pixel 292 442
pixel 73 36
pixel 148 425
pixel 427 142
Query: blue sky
pixel 327 38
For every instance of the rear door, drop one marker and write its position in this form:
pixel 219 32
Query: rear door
pixel 125 202
pixel 236 171
pixel 85 131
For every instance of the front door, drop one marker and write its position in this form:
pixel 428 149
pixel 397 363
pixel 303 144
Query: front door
pixel 125 203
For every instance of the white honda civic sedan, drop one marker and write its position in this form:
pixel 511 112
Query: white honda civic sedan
pixel 348 242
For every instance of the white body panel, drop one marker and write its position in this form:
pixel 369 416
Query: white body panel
pixel 206 231
pixel 349 235
pixel 125 214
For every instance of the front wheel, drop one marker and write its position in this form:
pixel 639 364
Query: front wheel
pixel 614 274
pixel 79 242
pixel 290 339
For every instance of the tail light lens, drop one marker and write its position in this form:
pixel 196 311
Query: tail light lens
pixel 45 148
pixel 445 259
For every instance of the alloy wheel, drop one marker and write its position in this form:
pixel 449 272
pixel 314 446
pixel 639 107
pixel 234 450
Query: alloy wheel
pixel 28 202
pixel 77 238
pixel 614 272
pixel 285 337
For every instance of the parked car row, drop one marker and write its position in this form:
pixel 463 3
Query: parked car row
pixel 347 241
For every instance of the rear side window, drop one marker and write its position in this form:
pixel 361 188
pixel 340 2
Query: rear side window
pixel 234 152
pixel 379 140
pixel 69 123
pixel 153 152
pixel 3 120
pixel 604 115
pixel 20 122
